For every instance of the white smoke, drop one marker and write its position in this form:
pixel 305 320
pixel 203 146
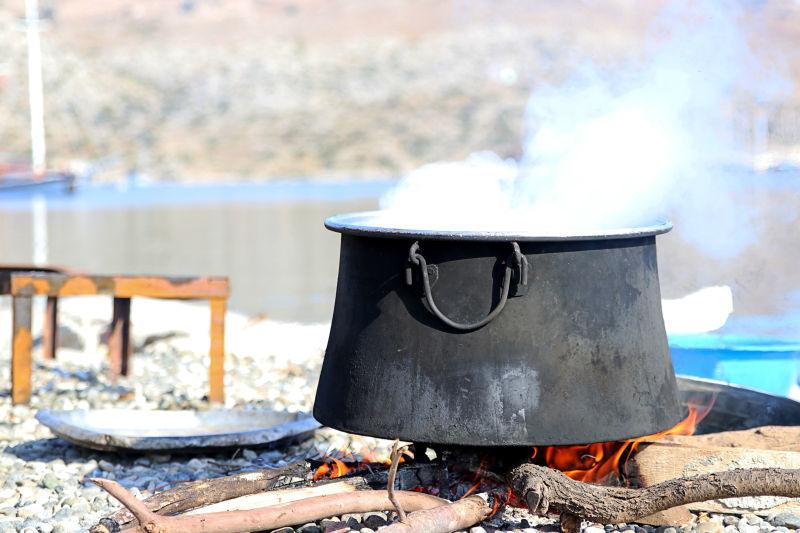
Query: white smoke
pixel 612 148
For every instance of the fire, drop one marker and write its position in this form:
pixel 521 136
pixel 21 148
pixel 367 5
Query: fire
pixel 598 462
pixel 332 468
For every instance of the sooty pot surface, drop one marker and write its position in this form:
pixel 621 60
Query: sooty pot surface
pixel 497 339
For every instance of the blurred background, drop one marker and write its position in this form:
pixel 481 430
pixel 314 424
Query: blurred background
pixel 214 136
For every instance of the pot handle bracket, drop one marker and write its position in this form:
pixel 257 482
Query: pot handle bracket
pixel 515 258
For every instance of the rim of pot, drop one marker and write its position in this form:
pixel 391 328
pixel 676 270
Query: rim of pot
pixel 369 223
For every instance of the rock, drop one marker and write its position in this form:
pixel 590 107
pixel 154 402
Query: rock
pixel 477 529
pixel 283 530
pixel 50 481
pixel 710 526
pixel 68 338
pixel 594 529
pixel 62 514
pixel 105 466
pixel 250 455
pixel 730 520
pixel 374 520
pixel 747 528
pixel 787 520
pixel 81 508
pixel 351 521
pixel 31 511
pixel 309 528
pixel 143 461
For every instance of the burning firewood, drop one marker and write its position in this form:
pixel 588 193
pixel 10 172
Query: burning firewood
pixel 543 488
pixel 287 514
pixel 444 519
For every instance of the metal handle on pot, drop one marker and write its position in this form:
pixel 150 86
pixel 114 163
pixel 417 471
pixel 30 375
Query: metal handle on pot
pixel 516 258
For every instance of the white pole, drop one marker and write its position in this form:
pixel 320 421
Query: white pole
pixel 35 91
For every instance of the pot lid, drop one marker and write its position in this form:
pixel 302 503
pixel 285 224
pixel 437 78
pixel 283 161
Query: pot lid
pixel 386 224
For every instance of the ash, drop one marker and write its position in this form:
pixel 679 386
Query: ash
pixel 268 364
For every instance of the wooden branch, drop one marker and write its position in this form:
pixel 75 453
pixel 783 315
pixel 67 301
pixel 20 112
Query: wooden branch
pixel 543 488
pixel 658 462
pixel 777 438
pixel 206 492
pixel 444 519
pixel 287 514
pixel 401 514
pixel 275 497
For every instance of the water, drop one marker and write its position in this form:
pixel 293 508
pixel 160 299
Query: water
pixel 269 238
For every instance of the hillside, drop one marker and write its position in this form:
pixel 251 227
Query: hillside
pixel 215 89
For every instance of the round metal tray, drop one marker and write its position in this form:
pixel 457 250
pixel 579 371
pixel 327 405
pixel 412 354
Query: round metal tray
pixel 130 429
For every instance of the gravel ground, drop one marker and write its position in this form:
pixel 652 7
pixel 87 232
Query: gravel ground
pixel 42 478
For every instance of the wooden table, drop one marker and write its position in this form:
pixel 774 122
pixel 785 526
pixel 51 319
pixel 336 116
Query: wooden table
pixel 25 285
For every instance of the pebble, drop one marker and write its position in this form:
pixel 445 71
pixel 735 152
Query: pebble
pixel 374 520
pixel 787 520
pixel 250 455
pixel 50 481
pixel 710 526
pixel 42 485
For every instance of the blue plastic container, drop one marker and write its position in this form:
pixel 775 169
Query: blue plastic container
pixel 766 364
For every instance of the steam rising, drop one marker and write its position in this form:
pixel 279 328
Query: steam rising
pixel 611 148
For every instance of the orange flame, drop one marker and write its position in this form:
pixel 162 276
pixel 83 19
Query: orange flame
pixel 333 468
pixel 597 462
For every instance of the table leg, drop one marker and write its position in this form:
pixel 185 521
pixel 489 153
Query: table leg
pixel 21 350
pixel 119 342
pixel 216 369
pixel 50 330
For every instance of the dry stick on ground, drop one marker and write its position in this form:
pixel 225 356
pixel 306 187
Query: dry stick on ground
pixel 287 514
pixel 200 493
pixel 543 488
pixel 390 483
pixel 275 497
pixel 446 518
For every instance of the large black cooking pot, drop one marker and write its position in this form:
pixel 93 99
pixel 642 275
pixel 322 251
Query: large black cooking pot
pixel 497 338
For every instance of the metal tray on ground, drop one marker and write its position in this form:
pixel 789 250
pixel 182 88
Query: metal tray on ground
pixel 736 408
pixel 170 431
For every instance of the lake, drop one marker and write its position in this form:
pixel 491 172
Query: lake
pixel 269 238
